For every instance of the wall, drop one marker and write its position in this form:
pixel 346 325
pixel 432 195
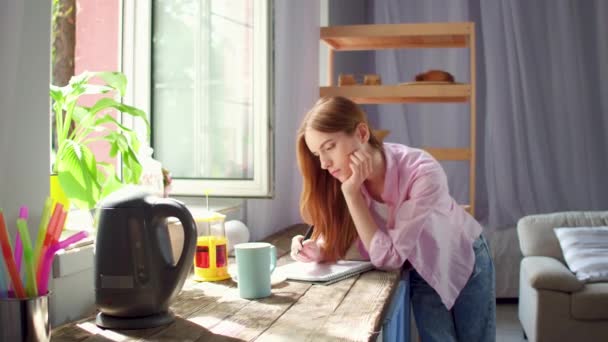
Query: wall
pixel 24 108
pixel 296 49
pixel 350 12
pixel 344 12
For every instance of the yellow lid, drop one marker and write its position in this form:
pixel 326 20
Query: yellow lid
pixel 208 216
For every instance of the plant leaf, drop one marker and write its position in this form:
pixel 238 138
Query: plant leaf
pixel 112 183
pixel 79 79
pixel 135 144
pixel 105 103
pixel 84 180
pixel 81 114
pixel 76 86
pixel 121 140
pixel 77 171
pixel 109 119
pixel 95 89
pixel 116 80
pixel 56 93
pixel 131 170
pixel 113 148
pixel 80 85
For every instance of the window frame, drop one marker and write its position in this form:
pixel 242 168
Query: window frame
pixel 136 33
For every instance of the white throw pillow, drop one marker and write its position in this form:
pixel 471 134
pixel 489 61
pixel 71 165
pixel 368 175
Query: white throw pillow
pixel 586 251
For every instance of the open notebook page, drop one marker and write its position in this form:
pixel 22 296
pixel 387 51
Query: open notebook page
pixel 325 273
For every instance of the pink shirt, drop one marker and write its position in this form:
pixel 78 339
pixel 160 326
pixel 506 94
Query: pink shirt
pixel 425 225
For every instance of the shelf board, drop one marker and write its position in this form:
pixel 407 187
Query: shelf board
pixel 449 153
pixel 401 93
pixel 396 36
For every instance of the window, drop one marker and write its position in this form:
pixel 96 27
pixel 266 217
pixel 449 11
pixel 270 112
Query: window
pixel 203 69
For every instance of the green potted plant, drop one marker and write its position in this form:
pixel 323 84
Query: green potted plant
pixel 82 178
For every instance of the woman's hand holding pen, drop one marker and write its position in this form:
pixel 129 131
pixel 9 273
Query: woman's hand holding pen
pixel 304 249
pixel 361 168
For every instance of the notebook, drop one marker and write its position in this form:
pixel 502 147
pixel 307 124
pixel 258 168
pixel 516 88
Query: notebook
pixel 324 274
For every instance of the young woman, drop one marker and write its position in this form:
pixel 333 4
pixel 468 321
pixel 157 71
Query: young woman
pixel 389 203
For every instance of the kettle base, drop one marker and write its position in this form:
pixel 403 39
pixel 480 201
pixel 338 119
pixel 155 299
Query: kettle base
pixel 128 323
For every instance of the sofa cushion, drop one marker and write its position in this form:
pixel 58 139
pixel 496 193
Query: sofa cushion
pixel 536 236
pixel 585 250
pixel 591 302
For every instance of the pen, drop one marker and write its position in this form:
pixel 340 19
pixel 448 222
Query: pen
pixel 308 234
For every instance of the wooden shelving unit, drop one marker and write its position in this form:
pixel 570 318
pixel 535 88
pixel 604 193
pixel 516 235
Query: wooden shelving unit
pixel 408 36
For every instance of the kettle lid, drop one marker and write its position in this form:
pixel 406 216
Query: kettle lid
pixel 126 197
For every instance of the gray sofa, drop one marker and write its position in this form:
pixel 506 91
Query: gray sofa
pixel 553 304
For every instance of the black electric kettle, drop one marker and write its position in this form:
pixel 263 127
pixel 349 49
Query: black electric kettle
pixel 135 276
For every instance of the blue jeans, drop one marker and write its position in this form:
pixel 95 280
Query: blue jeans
pixel 473 316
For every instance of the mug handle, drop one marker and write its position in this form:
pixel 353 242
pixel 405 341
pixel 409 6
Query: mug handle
pixel 273 258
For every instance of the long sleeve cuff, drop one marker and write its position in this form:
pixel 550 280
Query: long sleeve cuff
pixel 383 254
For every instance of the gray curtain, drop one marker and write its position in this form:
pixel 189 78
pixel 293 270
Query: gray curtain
pixel 542 107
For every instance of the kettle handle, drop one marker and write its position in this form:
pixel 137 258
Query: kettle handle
pixel 168 207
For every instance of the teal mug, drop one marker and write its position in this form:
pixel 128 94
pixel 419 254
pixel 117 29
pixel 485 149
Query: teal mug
pixel 255 262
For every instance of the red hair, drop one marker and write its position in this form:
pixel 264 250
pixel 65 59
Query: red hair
pixel 321 201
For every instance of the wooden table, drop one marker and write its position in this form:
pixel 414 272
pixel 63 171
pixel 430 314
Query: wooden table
pixel 350 310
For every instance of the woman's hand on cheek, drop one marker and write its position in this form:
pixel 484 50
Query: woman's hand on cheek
pixel 361 168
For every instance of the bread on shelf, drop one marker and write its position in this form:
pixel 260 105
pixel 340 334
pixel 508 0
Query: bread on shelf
pixel 435 76
pixel 372 79
pixel 346 80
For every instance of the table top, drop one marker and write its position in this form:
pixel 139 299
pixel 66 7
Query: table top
pixel 350 310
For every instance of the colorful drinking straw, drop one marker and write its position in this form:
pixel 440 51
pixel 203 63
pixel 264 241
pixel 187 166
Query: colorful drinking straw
pixel 18 251
pixel 42 227
pixel 56 234
pixel 9 259
pixel 30 272
pixel 3 287
pixel 46 241
pixel 45 267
